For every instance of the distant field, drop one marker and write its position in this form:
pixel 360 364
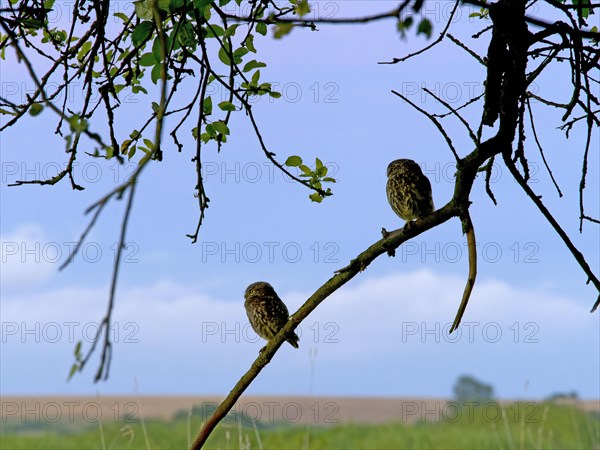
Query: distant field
pixel 296 422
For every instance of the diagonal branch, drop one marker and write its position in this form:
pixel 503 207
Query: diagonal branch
pixel 550 218
pixel 360 263
pixel 435 122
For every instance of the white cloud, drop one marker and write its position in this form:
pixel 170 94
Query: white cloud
pixel 375 306
pixel 27 256
pixel 370 328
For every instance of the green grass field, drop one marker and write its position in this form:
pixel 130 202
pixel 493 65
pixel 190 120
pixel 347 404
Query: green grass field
pixel 545 426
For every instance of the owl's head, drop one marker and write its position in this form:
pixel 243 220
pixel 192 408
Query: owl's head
pixel 259 288
pixel 402 165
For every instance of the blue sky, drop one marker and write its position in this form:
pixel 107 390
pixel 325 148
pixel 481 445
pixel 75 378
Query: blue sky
pixel 180 324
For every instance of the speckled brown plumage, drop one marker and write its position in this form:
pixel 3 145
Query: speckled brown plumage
pixel 266 312
pixel 408 190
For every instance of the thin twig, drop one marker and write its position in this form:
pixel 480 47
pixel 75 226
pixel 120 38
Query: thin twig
pixel 106 355
pixel 456 113
pixel 435 122
pixel 468 50
pixel 541 149
pixel 439 39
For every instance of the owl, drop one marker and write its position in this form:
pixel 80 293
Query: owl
pixel 266 312
pixel 408 190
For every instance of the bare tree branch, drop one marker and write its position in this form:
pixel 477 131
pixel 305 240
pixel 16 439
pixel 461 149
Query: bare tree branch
pixel 439 39
pixel 472 246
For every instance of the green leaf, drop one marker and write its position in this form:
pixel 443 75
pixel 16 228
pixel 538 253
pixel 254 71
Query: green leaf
pixel 255 77
pixel 110 152
pixel 157 49
pixel 77 351
pixel 214 30
pixel 186 36
pixel 316 197
pixel 404 25
pixel 224 55
pixel 238 54
pixel 282 29
pixel 74 368
pixel 85 48
pixel 261 28
pixel 318 163
pixel 35 109
pixel 176 4
pixel 141 33
pixel 201 4
pixel 293 161
pixel 147 60
pixel 275 94
pixel 249 42
pixel 227 106
pixel 230 31
pixel 77 124
pixel 265 87
pixel 329 180
pixel 206 13
pixel 163 5
pixel 221 127
pixel 585 12
pixel 254 64
pixel 305 169
pixel 425 28
pixel 207 106
pixel 302 8
pixel 125 145
pixel 156 72
pixel 121 16
pixel 137 88
pixel 142 11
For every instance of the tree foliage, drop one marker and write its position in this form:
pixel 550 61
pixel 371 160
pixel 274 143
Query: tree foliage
pixel 163 44
pixel 469 388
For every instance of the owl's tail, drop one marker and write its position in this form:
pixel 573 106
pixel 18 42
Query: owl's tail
pixel 293 340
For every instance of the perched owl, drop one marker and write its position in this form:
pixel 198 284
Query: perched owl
pixel 408 190
pixel 266 312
